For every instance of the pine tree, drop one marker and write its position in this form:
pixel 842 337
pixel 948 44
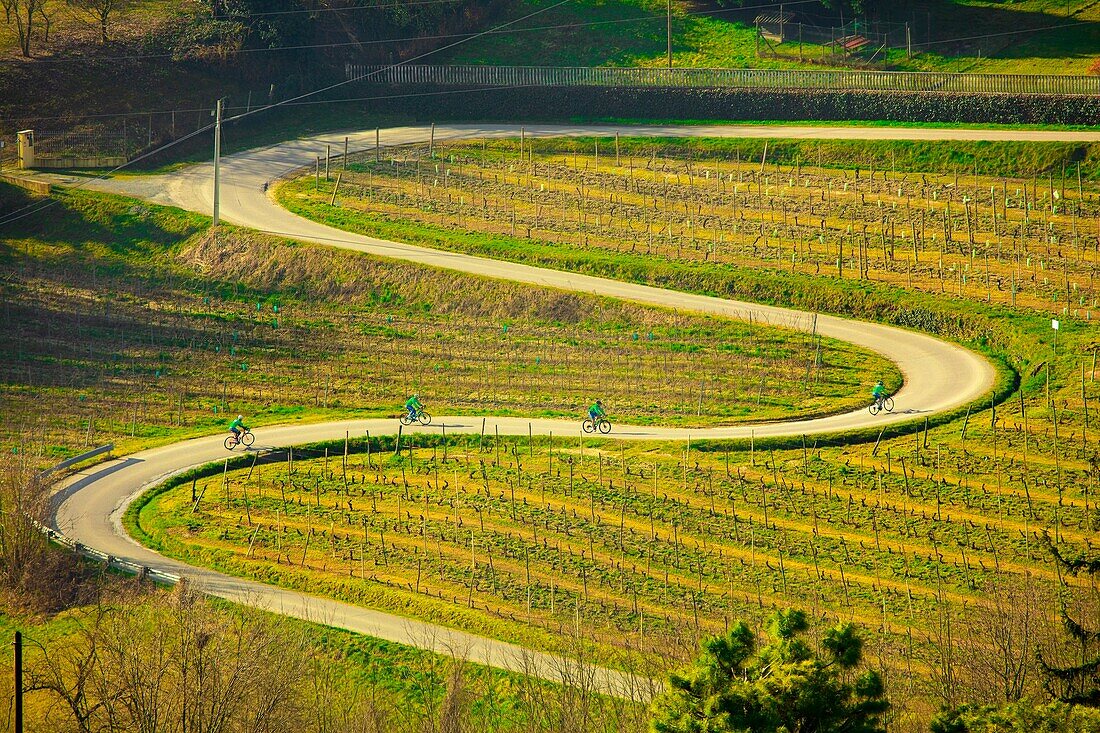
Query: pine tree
pixel 783 686
pixel 1077 683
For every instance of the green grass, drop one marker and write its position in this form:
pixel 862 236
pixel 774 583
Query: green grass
pixel 854 531
pixel 1004 159
pixel 839 124
pixel 605 33
pixel 847 297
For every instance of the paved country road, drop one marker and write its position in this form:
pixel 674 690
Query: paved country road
pixel 938 375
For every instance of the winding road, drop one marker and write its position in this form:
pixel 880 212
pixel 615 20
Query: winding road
pixel 89 504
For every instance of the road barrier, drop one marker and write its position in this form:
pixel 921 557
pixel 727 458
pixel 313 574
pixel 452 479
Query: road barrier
pixel 53 535
pixel 78 459
pixel 775 79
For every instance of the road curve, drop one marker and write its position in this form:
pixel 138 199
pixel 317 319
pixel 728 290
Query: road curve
pixel 89 506
pixel 938 375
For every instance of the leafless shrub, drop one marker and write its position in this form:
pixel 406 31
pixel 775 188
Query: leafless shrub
pixel 173 663
pixel 33 578
pixel 1002 637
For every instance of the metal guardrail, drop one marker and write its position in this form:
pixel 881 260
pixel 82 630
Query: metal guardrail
pixel 78 459
pixel 142 571
pixel 833 80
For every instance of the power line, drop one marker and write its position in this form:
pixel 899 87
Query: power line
pixel 35 208
pixel 316 11
pixel 42 205
pixel 1009 33
pixel 402 63
pixel 561 26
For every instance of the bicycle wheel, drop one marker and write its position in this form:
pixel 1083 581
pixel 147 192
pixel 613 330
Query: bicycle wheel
pixel 588 427
pixel 873 408
pixel 605 426
pixel 424 418
pixel 248 439
pixel 230 443
pixel 888 404
pixel 404 419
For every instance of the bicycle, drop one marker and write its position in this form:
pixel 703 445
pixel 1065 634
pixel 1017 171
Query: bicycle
pixel 602 424
pixel 882 403
pixel 246 439
pixel 421 417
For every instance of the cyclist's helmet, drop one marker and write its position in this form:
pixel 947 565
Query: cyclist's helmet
pixel 240 417
pixel 599 402
pixel 879 383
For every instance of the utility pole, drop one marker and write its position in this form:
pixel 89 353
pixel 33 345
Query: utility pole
pixel 669 27
pixel 217 156
pixel 18 682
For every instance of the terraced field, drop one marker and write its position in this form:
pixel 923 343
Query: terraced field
pixel 171 340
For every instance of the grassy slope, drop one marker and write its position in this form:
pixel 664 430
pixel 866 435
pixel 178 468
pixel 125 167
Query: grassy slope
pixel 718 41
pixel 707 277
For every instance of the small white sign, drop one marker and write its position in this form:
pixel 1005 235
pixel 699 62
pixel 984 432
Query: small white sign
pixel 1054 324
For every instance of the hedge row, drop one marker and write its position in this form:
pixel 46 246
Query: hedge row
pixel 557 103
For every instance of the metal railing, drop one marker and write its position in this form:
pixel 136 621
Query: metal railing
pixel 53 535
pixel 832 80
pixel 78 459
pixel 142 571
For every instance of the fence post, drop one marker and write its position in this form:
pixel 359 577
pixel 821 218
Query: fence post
pixel 18 682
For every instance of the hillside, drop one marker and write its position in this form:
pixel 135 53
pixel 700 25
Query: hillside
pixel 964 36
pixel 164 63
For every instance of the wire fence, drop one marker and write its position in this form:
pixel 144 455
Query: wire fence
pixel 834 80
pixel 121 136
pixel 49 144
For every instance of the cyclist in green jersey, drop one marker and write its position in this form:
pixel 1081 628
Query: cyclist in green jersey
pixel 413 406
pixel 237 427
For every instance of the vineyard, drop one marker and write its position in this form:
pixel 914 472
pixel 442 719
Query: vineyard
pixel 940 541
pixel 1030 242
pixel 140 345
pixel 937 538
pixel 929 541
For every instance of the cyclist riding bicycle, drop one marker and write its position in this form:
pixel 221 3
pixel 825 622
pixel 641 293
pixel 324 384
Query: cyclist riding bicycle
pixel 596 411
pixel 413 406
pixel 237 427
pixel 878 392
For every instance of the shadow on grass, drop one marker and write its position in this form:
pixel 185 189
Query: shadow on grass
pixel 95 225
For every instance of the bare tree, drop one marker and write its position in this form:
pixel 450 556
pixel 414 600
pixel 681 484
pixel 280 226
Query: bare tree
pixel 1072 673
pixel 174 664
pixel 1002 639
pixel 24 15
pixel 35 577
pixel 99 12
pixel 68 672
